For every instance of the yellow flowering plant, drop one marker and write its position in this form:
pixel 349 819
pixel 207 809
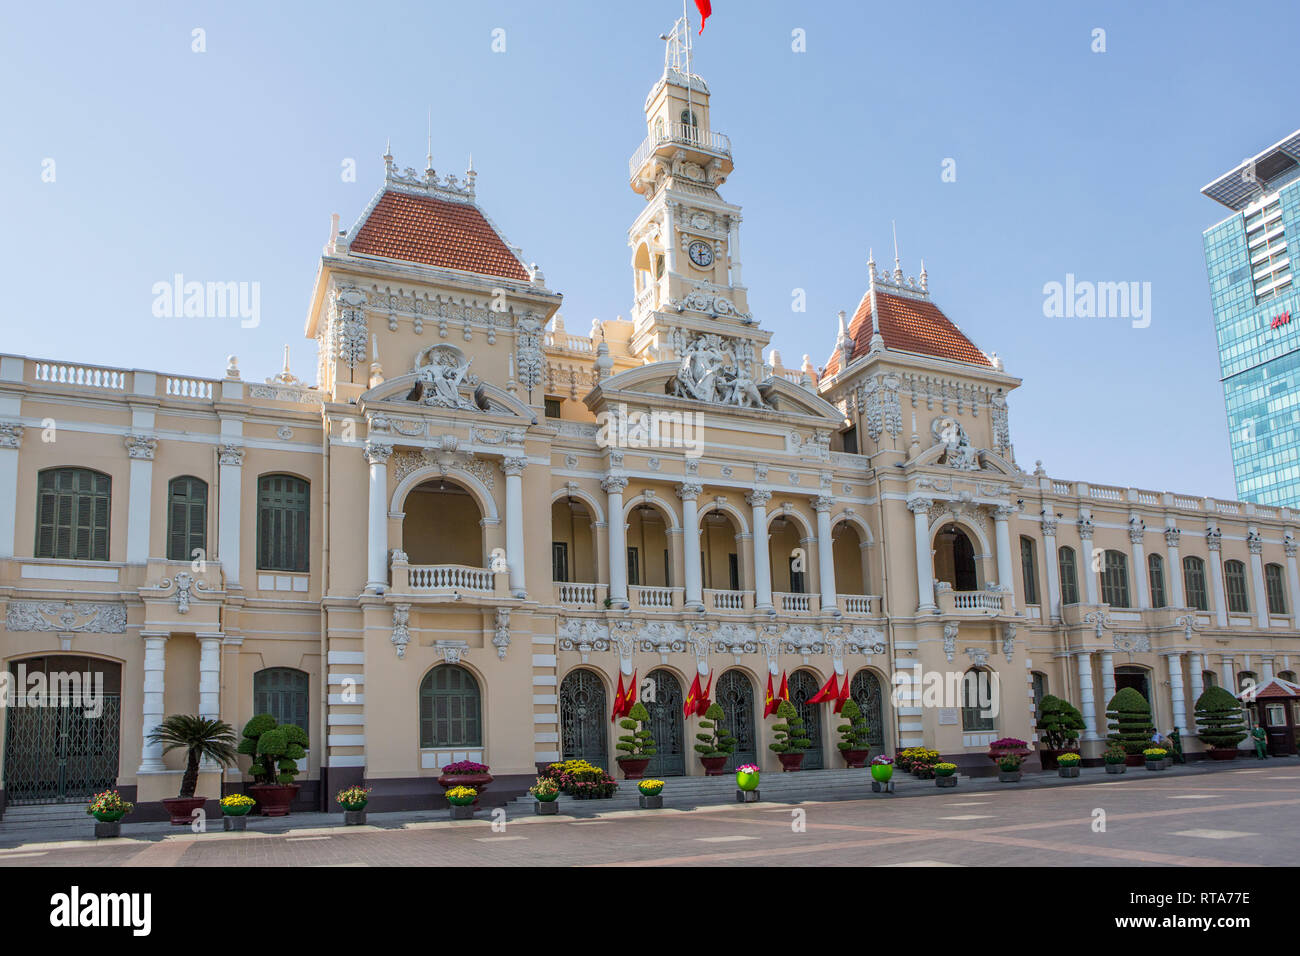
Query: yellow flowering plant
pixel 1155 753
pixel 1068 760
pixel 461 796
pixel 650 788
pixel 945 769
pixel 236 804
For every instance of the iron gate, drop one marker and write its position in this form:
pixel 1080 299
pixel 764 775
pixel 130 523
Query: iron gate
pixel 666 727
pixel 736 697
pixel 865 691
pixel 59 754
pixel 583 719
pixel 802 686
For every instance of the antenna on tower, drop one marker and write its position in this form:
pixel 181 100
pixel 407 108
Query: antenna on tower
pixel 429 156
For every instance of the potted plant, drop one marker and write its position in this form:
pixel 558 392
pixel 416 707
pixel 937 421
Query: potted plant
pixel 581 780
pixel 1059 723
pixel 276 749
pixel 747 783
pixel 545 794
pixel 1129 717
pixel 903 760
pixel 651 797
pixel 717 745
pixel 1219 723
pixel 882 769
pixel 465 773
pixel 853 745
pixel 1009 768
pixel 1067 764
pixel 1009 747
pixel 923 760
pixel 790 742
pixel 235 808
pixel 108 809
pixel 202 738
pixel 637 745
pixel 1115 759
pixel 945 774
pixel 462 800
pixel 1155 757
pixel 353 800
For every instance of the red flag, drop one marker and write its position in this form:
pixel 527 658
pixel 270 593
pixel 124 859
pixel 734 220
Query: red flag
pixel 630 698
pixel 769 702
pixel 702 707
pixel 844 695
pixel 617 712
pixel 706 10
pixel 784 693
pixel 830 690
pixel 692 697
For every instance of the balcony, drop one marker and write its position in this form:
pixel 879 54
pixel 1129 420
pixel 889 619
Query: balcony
pixel 580 595
pixel 681 136
pixel 984 603
pixel 453 582
pixel 792 603
pixel 718 600
pixel 862 605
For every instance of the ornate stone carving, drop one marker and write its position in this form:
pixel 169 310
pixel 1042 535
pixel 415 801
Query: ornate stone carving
pixel 76 617
pixel 406 463
pixel 689 490
pixel 1172 537
pixel 442 371
pixel 230 454
pixel 1136 529
pixel 979 656
pixel 1009 642
pixel 663 638
pixel 1133 643
pixel 530 361
pixel 1049 527
pixel 377 453
pixel 401 628
pixel 919 505
pixel 501 633
pixel 958 452
pixel 11 435
pixel 735 639
pixel 514 466
pixel 1289 544
pixel 186 585
pixel 1085 528
pixel 613 484
pixel 879 398
pixel 759 496
pixel 1254 542
pixel 583 635
pixel 823 503
pixel 950 640
pixel 711 371
pixel 350 333
pixel 709 301
pixel 141 447
pixel 1001 428
pixel 1213 538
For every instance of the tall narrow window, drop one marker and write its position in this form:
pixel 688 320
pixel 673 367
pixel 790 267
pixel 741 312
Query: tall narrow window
pixel 450 708
pixel 733 571
pixel 1028 570
pixel 72 509
pixel 1274 589
pixel 187 518
pixel 977 704
pixel 1069 575
pixel 283 510
pixel 1114 579
pixel 282 693
pixel 1194 583
pixel 1156 575
pixel 796 577
pixel 559 561
pixel 1234 582
pixel 633 566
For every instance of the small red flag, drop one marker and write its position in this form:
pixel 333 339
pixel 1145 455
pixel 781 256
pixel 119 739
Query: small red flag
pixel 706 10
pixel 630 699
pixel 769 702
pixel 702 707
pixel 692 697
pixel 844 695
pixel 617 712
pixel 784 693
pixel 830 690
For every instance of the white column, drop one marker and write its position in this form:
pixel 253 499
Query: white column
pixel 210 682
pixel 758 500
pixel 514 469
pixel 155 666
pixel 11 439
pixel 1089 575
pixel 613 486
pixel 1213 540
pixel 1006 572
pixel 1197 684
pixel 377 528
pixel 825 553
pixel 1179 705
pixel 1266 669
pixel 1175 567
pixel 1228 675
pixel 1087 699
pixel 1107 679
pixel 1052 570
pixel 231 459
pixel 1135 532
pixel 689 492
pixel 1257 577
pixel 1292 578
pixel 734 242
pixel 140 449
pixel 670 237
pixel 920 508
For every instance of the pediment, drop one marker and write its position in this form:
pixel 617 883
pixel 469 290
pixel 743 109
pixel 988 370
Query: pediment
pixel 410 391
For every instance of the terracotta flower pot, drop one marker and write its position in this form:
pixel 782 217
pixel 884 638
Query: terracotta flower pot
pixel 633 768
pixel 1222 753
pixel 714 766
pixel 181 809
pixel 855 758
pixel 273 799
pixel 1134 760
pixel 790 762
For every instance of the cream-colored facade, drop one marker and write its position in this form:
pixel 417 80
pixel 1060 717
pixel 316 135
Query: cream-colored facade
pixel 482 499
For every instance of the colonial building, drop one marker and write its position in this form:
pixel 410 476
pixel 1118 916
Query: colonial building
pixel 452 543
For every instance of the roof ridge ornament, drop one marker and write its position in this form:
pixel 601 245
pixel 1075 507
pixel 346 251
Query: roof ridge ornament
pixel 410 180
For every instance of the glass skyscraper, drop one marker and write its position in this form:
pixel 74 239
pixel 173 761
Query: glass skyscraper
pixel 1253 291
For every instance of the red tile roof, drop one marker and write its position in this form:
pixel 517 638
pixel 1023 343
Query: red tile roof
pixel 908 325
pixel 436 232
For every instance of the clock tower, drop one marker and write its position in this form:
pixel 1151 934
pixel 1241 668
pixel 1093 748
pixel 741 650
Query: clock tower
pixel 686 241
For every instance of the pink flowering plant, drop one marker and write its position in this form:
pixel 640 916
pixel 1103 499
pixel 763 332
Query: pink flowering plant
pixel 462 767
pixel 882 761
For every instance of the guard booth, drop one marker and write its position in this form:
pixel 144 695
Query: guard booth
pixel 1273 705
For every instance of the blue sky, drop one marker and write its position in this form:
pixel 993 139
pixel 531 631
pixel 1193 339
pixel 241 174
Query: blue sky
pixel 225 165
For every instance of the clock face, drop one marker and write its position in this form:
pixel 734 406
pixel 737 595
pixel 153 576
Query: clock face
pixel 701 254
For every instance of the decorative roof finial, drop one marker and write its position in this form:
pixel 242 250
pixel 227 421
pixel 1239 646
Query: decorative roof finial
pixel 925 287
pixel 898 267
pixel 428 159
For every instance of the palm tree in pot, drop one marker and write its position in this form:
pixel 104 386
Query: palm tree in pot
pixel 203 738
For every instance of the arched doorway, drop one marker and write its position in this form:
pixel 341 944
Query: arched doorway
pixel 573 546
pixel 582 718
pixel 954 559
pixel 720 555
pixel 649 558
pixel 788 559
pixel 666 726
pixel 443 525
pixel 866 693
pixel 735 695
pixel 1139 678
pixel 850 566
pixel 64 746
pixel 802 686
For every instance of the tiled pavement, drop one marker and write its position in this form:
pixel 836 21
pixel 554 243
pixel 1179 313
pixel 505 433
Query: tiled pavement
pixel 1216 817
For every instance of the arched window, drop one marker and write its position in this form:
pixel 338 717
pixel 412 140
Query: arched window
pixel 659 130
pixel 1194 583
pixel 283 509
pixel 1274 589
pixel 1069 575
pixel 690 119
pixel 282 692
pixel 72 507
pixel 1287 676
pixel 1028 570
pixel 1114 579
pixel 187 518
pixel 450 708
pixel 1246 679
pixel 977 704
pixel 1156 576
pixel 1209 679
pixel 1234 582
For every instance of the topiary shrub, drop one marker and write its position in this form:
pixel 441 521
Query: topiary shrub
pixel 717 742
pixel 1130 724
pixel 854 733
pixel 637 743
pixel 275 749
pixel 1059 721
pixel 1219 720
pixel 789 732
